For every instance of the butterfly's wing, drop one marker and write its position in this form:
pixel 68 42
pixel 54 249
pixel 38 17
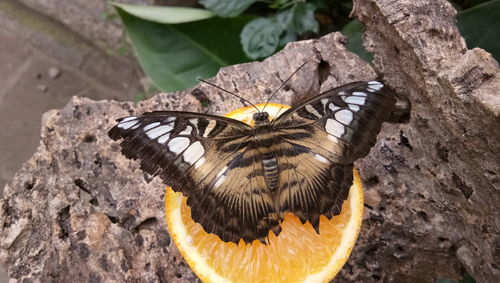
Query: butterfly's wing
pixel 341 124
pixel 321 138
pixel 310 184
pixel 237 204
pixel 209 159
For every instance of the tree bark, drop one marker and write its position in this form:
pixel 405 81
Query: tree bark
pixel 440 189
pixel 78 210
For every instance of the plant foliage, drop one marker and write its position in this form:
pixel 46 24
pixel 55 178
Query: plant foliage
pixel 176 46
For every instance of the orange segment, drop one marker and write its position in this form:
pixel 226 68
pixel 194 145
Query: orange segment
pixel 244 114
pixel 297 254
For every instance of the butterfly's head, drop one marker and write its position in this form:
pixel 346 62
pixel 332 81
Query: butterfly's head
pixel 261 117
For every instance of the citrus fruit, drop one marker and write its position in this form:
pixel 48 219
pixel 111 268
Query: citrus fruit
pixel 297 254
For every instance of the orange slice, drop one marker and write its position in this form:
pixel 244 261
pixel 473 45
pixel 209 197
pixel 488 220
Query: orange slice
pixel 297 254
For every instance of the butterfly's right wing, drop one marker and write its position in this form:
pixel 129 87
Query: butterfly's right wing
pixel 310 184
pixel 321 138
pixel 340 124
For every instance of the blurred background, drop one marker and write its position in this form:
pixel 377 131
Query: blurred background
pixel 53 50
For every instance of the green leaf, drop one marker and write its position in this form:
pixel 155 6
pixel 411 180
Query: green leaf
pixel 480 26
pixel 260 37
pixel 286 37
pixel 469 3
pixel 303 18
pixel 227 8
pixel 165 15
pixel 175 56
pixel 280 4
pixel 300 18
pixel 324 4
pixel 468 279
pixel 354 32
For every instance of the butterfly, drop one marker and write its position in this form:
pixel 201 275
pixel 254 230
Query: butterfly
pixel 240 180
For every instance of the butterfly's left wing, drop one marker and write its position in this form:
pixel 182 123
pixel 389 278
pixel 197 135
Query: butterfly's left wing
pixel 212 161
pixel 179 145
pixel 321 138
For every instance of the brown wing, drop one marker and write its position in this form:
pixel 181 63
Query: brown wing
pixel 217 163
pixel 237 204
pixel 211 161
pixel 321 138
pixel 341 124
pixel 311 185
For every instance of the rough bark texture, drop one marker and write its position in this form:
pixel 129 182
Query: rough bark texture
pixel 440 180
pixel 80 211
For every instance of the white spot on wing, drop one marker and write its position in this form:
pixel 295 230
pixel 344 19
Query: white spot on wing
pixel 126 119
pixel 219 181
pixel 194 122
pixel 178 145
pixel 334 128
pixel 193 153
pixel 164 138
pixel 220 177
pixel 186 131
pixel 127 125
pixel 333 107
pixel 152 125
pixel 199 163
pixel 354 108
pixel 221 172
pixel 355 100
pixel 359 93
pixel 324 101
pixel 209 128
pixel 333 138
pixel 158 131
pixel 344 116
pixel 313 111
pixel 375 86
pixel 321 158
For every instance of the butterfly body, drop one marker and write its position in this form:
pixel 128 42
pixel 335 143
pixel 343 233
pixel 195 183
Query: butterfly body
pixel 241 180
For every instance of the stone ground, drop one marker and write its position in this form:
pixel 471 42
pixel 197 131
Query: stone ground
pixel 43 64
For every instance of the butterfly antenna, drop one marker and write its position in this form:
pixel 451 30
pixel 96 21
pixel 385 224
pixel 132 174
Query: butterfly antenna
pixel 271 97
pixel 214 85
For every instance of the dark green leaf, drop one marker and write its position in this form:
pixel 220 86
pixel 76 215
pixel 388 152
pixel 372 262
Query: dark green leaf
pixel 354 33
pixel 286 37
pixel 322 4
pixel 480 26
pixel 175 56
pixel 227 8
pixel 165 15
pixel 280 4
pixel 260 37
pixel 465 4
pixel 300 18
pixel 468 279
